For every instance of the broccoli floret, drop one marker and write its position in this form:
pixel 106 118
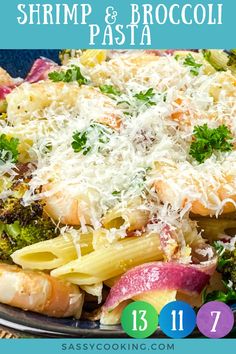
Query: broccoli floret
pixel 6 244
pixel 228 296
pixel 12 210
pixel 21 226
pixel 227 267
pixel 15 236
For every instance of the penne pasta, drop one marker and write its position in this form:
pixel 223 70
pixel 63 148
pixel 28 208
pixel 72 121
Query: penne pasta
pixel 219 60
pixel 208 69
pixel 108 262
pixel 134 217
pixel 213 228
pixel 53 253
pixel 95 290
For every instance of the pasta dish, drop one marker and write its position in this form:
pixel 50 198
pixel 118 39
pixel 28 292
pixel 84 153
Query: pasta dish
pixel 118 182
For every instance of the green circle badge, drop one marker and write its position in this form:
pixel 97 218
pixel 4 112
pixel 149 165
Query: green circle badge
pixel 139 319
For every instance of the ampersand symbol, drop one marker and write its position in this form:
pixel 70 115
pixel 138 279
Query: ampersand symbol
pixel 111 15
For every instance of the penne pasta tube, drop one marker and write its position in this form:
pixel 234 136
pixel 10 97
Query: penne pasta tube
pixel 109 262
pixel 214 228
pixel 95 289
pixel 134 217
pixel 219 59
pixel 208 69
pixel 53 253
pixel 100 239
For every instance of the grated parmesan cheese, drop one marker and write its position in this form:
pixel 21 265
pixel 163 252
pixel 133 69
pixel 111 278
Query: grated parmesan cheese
pixel 151 145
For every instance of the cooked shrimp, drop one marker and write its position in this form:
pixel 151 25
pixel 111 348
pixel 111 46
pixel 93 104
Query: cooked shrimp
pixel 39 292
pixel 206 192
pixel 180 115
pixel 69 210
pixel 123 66
pixel 30 101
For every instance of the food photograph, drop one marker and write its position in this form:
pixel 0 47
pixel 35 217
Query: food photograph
pixel 117 185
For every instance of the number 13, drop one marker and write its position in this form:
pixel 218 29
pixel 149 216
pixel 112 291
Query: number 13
pixel 142 314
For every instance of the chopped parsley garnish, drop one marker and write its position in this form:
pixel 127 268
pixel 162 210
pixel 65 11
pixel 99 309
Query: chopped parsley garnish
pixel 177 56
pixel 8 149
pixel 83 141
pixel 146 97
pixel 165 97
pixel 115 193
pixel 195 67
pixel 222 256
pixel 207 141
pixel 70 75
pixel 110 90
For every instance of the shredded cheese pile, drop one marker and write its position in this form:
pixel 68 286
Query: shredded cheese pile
pixel 150 144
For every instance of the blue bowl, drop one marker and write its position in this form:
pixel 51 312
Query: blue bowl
pixel 25 324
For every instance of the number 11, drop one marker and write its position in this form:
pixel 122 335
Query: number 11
pixel 174 321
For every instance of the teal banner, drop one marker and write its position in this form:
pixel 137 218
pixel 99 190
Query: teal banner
pixel 117 24
pixel 113 346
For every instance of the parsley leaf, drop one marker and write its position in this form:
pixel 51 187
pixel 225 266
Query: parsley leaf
pixel 146 97
pixel 207 140
pixel 223 257
pixel 8 149
pixel 115 193
pixel 70 75
pixel 177 56
pixel 83 141
pixel 80 142
pixel 195 67
pixel 110 90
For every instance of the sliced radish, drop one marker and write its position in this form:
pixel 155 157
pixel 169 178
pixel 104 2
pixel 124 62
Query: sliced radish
pixel 40 70
pixel 187 278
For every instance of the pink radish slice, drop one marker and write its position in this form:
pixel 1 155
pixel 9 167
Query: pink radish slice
pixel 4 91
pixel 40 70
pixel 187 278
pixel 160 52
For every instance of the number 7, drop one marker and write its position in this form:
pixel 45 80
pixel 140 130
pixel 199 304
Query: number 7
pixel 216 319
